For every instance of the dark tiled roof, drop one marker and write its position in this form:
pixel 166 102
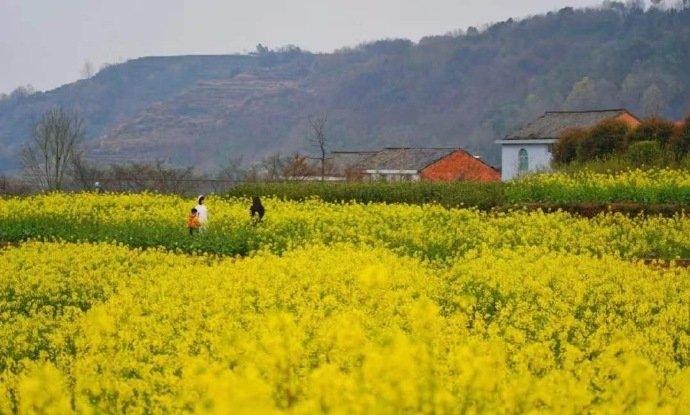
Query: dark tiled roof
pixel 339 162
pixel 343 160
pixel 553 123
pixel 405 158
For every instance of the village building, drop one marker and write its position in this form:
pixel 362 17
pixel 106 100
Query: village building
pixel 339 166
pixel 346 164
pixel 426 164
pixel 396 164
pixel 529 148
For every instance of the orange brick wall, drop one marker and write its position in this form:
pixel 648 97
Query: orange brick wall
pixel 628 119
pixel 460 166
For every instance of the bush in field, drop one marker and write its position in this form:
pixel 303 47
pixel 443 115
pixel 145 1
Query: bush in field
pixel 642 153
pixel 653 129
pixel 603 140
pixel 611 139
pixel 565 150
pixel 679 145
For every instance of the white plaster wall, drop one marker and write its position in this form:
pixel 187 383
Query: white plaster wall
pixel 539 158
pixel 392 177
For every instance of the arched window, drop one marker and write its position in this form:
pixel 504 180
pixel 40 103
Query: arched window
pixel 523 161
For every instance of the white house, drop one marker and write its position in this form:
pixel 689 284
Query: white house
pixel 402 164
pixel 528 149
pixel 522 156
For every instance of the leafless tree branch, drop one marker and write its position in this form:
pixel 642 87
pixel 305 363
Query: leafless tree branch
pixel 55 141
pixel 319 138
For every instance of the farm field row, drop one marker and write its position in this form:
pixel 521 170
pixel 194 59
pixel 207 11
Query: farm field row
pixel 644 187
pixel 423 231
pixel 649 186
pixel 342 328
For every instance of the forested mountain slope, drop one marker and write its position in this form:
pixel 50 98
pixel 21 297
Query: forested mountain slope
pixel 456 90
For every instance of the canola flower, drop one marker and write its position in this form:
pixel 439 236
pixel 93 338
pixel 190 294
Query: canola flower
pixel 428 231
pixel 102 328
pixel 340 308
pixel 642 186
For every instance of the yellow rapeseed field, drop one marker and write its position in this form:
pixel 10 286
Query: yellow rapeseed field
pixel 636 178
pixel 649 186
pixel 108 329
pixel 429 231
pixel 337 308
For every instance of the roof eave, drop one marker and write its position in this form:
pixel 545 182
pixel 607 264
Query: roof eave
pixel 389 171
pixel 527 141
pixel 451 151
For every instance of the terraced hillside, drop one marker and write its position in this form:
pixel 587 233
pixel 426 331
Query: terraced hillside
pixel 461 90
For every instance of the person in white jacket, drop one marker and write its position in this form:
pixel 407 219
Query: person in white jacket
pixel 202 211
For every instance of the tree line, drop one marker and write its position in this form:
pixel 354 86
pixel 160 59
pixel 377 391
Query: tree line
pixel 55 160
pixel 653 141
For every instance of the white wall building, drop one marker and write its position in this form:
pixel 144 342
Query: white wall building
pixel 524 156
pixel 528 149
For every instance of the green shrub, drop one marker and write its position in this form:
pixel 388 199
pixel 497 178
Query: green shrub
pixel 565 150
pixel 482 195
pixel 611 139
pixel 603 140
pixel 643 153
pixel 653 129
pixel 679 144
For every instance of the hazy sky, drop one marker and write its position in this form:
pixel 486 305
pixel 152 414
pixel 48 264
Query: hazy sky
pixel 46 42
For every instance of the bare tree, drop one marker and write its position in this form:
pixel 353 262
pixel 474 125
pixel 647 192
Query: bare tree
pixel 14 186
pixel 273 165
pixel 169 179
pixel 635 4
pixel 22 92
pixel 319 139
pixel 297 167
pixel 252 174
pixel 83 173
pixel 47 157
pixel 665 5
pixel 156 176
pixel 233 170
pixel 87 70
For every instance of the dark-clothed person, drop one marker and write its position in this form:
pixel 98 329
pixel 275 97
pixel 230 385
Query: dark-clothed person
pixel 257 211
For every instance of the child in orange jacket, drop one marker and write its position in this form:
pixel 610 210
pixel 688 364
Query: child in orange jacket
pixel 193 222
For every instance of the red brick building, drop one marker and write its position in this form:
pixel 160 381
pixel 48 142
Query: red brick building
pixel 427 164
pixel 460 166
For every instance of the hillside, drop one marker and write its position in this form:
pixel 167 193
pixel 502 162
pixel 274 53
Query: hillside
pixel 454 90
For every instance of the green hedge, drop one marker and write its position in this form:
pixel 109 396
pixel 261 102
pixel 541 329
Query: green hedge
pixel 481 195
pixel 643 188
